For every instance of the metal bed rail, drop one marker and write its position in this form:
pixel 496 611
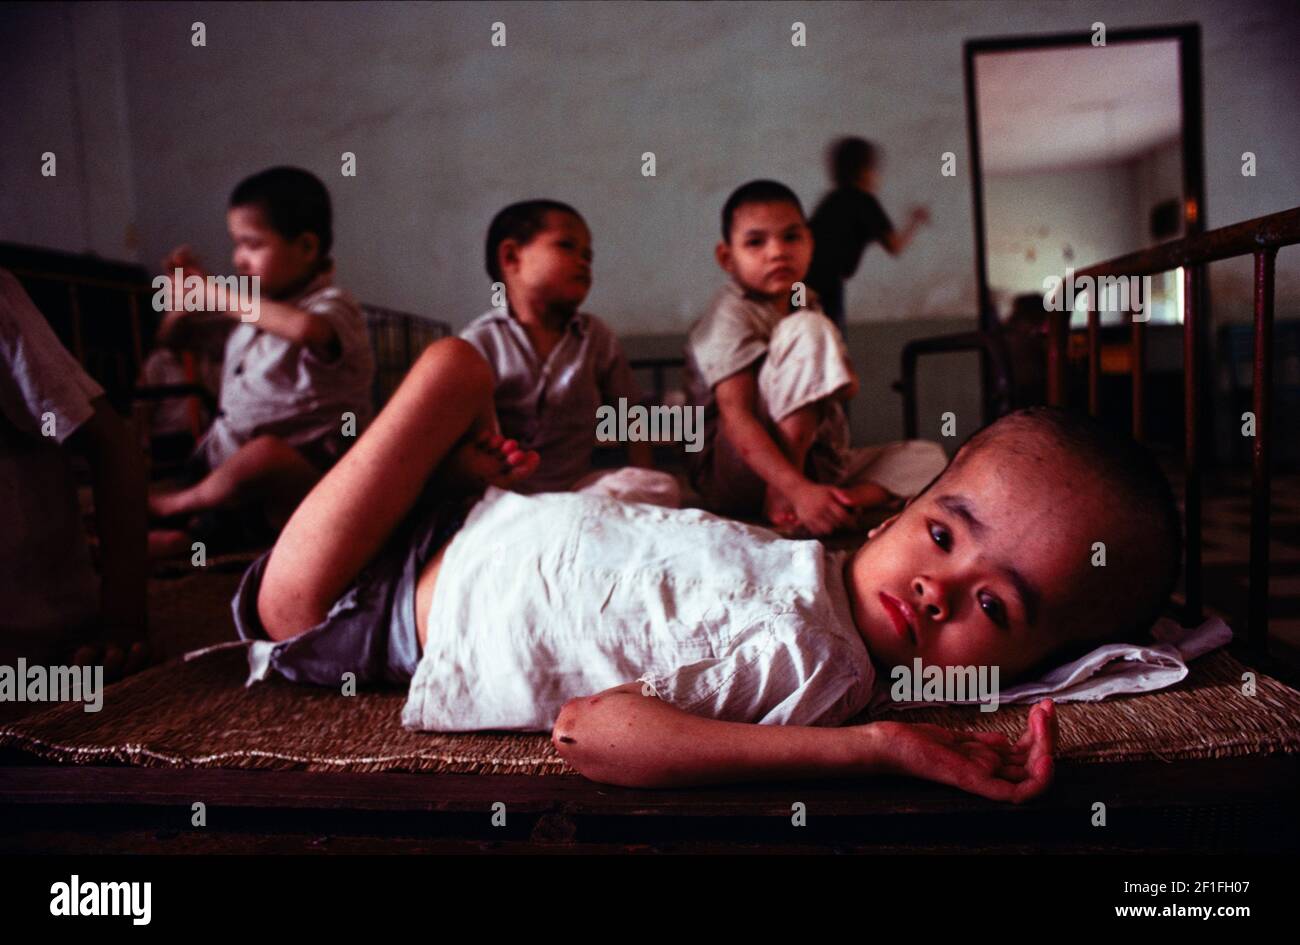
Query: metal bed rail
pixel 1261 237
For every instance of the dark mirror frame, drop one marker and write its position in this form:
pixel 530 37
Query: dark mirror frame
pixel 1188 37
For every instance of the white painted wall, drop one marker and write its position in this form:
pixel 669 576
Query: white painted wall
pixel 153 133
pixel 1041 222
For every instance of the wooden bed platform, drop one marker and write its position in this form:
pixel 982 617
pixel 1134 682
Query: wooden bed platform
pixel 1199 767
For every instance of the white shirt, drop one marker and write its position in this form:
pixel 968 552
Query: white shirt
pixel 548 597
pixel 271 385
pixel 47 582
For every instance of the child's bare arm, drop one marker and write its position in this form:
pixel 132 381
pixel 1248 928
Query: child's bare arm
pixel 737 397
pixel 301 328
pixel 311 331
pixel 820 507
pixel 623 737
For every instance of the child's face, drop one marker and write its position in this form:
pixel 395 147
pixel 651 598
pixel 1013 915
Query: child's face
pixel 554 267
pixel 260 251
pixel 991 566
pixel 769 250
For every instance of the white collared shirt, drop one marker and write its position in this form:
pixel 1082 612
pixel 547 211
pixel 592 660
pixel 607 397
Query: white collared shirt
pixel 271 385
pixel 549 597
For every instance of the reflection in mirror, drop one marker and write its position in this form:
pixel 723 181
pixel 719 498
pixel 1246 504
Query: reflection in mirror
pixel 1082 154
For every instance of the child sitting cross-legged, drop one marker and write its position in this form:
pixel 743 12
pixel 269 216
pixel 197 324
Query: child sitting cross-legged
pixel 772 376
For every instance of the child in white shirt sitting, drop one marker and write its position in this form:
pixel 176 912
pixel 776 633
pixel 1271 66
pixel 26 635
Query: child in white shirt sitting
pixel 295 386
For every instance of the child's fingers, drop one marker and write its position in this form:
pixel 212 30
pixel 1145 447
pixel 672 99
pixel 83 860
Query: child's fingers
pixel 1041 764
pixel 1028 737
pixel 988 738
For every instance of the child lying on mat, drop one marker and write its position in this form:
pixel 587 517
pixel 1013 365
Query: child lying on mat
pixel 675 629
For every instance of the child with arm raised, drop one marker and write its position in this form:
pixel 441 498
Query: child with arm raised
pixel 293 377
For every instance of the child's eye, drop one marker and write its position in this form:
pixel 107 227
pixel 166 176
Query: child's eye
pixel 941 536
pixel 994 609
pixel 753 242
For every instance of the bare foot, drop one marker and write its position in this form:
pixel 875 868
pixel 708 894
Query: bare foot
pixel 778 510
pixel 489 459
pixel 865 495
pixel 869 502
pixel 167 504
pixel 167 543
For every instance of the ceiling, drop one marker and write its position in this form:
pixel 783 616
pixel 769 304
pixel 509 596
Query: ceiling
pixel 1047 109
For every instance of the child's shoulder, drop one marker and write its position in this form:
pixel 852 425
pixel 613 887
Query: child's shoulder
pixel 324 296
pixel 730 312
pixel 492 322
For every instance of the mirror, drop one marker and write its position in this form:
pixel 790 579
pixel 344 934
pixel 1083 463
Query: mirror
pixel 1082 154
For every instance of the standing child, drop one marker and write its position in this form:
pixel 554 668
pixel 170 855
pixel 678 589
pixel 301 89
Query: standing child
pixel 772 379
pixel 849 219
pixel 295 387
pixel 555 365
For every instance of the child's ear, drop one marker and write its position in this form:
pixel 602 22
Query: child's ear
pixel 722 252
pixel 309 243
pixel 507 254
pixel 883 525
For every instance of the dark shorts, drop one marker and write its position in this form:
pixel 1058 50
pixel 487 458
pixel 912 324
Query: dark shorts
pixel 371 630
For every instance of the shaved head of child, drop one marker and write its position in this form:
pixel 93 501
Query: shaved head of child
pixel 1045 536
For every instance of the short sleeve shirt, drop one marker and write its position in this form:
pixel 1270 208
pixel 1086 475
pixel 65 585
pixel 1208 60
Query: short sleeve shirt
pixel 271 385
pixel 844 224
pixel 550 406
pixel 732 335
pixel 717 618
pixel 47 582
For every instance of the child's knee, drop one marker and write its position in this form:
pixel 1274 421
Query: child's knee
pixel 804 329
pixel 269 450
pixel 460 362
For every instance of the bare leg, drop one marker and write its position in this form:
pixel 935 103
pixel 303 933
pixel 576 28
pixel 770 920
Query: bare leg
pixel 263 469
pixel 794 434
pixel 346 519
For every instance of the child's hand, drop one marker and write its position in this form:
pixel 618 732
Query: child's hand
pixel 983 763
pixel 183 258
pixel 822 509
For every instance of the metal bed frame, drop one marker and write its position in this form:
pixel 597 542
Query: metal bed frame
pixel 1261 237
